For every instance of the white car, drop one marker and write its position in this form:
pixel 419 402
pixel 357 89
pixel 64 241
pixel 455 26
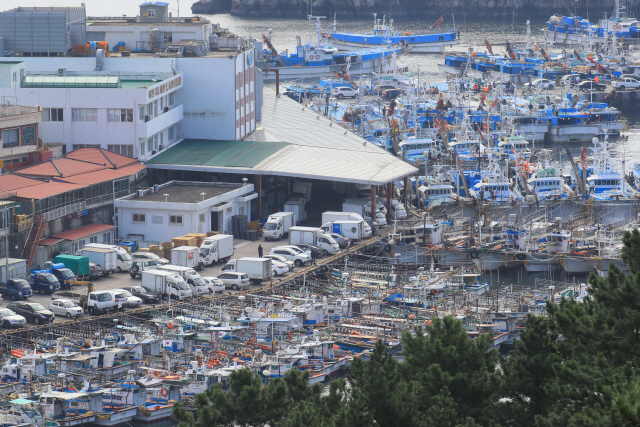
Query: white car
pixel 278 268
pixel 295 249
pixel 543 83
pixel 281 259
pixel 9 318
pixel 214 284
pixel 298 258
pixel 342 91
pixel 149 256
pixel 66 307
pixel 234 280
pixel 125 298
pixel 627 82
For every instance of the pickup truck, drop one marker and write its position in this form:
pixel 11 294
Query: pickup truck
pixel 627 83
pixel 16 289
pixel 44 282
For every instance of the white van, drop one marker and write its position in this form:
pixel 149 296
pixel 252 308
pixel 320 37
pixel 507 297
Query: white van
pixel 101 302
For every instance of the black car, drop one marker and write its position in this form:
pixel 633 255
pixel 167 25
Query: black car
pixel 342 241
pixel 147 295
pixel 392 93
pixel 310 248
pixel 96 271
pixel 33 312
pixel 591 85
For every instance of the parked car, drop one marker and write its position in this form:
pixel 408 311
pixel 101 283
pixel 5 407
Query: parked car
pixel 392 93
pixel 101 302
pixel 9 319
pixel 148 256
pixel 280 258
pixel 310 249
pixel 278 268
pixel 139 266
pixel 543 83
pixel 299 259
pixel 146 295
pixel 66 307
pixel 591 85
pixel 627 82
pixel 32 312
pixel 342 241
pixel 125 298
pixel 96 271
pixel 214 284
pixel 570 79
pixel 234 280
pixel 381 88
pixel 342 92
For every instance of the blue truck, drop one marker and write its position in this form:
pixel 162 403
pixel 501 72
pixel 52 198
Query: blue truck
pixel 16 289
pixel 44 282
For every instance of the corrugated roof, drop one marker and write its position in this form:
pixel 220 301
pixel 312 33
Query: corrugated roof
pixel 103 175
pixel 228 154
pixel 11 182
pixel 62 168
pixel 100 156
pixel 84 231
pixel 49 241
pixel 310 146
pixel 45 190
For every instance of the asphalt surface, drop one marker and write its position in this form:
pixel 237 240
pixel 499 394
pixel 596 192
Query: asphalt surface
pixel 242 248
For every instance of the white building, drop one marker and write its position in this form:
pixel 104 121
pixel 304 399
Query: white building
pixel 178 208
pixel 136 105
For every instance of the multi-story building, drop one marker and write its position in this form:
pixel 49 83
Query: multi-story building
pixel 19 135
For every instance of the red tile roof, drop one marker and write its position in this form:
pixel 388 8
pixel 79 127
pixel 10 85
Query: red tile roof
pixel 46 189
pixel 97 177
pixel 100 156
pixel 84 231
pixel 60 168
pixel 49 242
pixel 11 182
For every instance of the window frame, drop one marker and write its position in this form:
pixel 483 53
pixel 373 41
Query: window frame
pixel 173 219
pixel 141 218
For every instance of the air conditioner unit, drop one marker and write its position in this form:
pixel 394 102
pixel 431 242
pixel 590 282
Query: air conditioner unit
pixel 147 118
pixel 62 72
pixel 166 109
pixel 151 190
pixel 153 152
pixel 140 193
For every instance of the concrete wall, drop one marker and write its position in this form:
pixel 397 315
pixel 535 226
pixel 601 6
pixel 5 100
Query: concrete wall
pixel 131 34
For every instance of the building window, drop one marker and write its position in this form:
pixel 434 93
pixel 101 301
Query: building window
pixel 93 239
pixel 175 219
pixel 143 112
pixel 125 150
pixel 138 217
pixel 120 115
pixel 170 133
pixel 84 114
pixel 151 13
pixel 155 108
pixel 28 135
pixel 162 139
pixel 106 238
pixel 76 146
pixel 142 146
pixel 52 115
pixel 11 138
pixel 155 142
pixel 202 217
pixel 171 98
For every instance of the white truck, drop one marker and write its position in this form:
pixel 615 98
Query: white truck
pixel 353 229
pixel 193 279
pixel 106 258
pixel 363 207
pixel 298 208
pixel 166 283
pixel 333 216
pixel 125 260
pixel 301 191
pixel 258 269
pixel 187 256
pixel 216 248
pixel 313 236
pixel 278 225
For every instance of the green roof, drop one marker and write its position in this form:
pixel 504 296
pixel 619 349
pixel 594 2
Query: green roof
pixel 71 82
pixel 204 152
pixel 132 84
pixel 9 63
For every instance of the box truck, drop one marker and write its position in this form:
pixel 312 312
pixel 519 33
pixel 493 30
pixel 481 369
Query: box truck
pixel 313 236
pixel 301 191
pixel 332 216
pixel 353 229
pixel 298 208
pixel 216 248
pixel 125 260
pixel 278 225
pixel 258 269
pixel 187 256
pixel 193 279
pixel 106 258
pixel 166 283
pixel 363 207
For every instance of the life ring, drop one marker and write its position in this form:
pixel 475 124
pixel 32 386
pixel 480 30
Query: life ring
pixel 164 392
pixel 617 27
pixel 475 254
pixel 521 256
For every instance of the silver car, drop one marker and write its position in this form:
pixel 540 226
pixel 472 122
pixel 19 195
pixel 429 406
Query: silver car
pixel 66 307
pixel 10 319
pixel 234 280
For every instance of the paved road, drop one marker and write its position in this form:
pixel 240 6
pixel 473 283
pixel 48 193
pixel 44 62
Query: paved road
pixel 243 248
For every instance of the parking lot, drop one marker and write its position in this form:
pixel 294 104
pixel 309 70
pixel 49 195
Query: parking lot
pixel 242 248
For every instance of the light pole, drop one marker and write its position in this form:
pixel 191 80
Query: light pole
pixel 115 216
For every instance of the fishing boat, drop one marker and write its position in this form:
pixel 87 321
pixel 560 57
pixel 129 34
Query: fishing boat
pixel 384 32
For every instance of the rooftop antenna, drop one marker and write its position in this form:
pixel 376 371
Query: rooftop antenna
pixel 166 197
pixel 203 194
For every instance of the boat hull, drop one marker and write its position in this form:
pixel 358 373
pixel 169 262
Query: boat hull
pixel 162 413
pixel 572 133
pixel 540 263
pixel 121 417
pixel 311 71
pixel 578 265
pixel 428 47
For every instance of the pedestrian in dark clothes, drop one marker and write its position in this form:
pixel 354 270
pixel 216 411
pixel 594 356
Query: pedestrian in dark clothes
pixel 313 257
pixel 259 251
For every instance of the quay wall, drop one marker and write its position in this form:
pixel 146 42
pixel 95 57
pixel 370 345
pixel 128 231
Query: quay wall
pixel 515 9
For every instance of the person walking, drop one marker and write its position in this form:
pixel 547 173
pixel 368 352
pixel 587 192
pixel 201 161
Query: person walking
pixel 259 251
pixel 313 257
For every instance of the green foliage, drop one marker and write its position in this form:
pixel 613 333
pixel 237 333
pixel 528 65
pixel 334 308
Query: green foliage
pixel 577 366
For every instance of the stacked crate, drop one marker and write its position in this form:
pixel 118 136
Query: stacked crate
pixel 212 233
pixel 198 236
pixel 156 250
pixel 239 225
pixel 166 249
